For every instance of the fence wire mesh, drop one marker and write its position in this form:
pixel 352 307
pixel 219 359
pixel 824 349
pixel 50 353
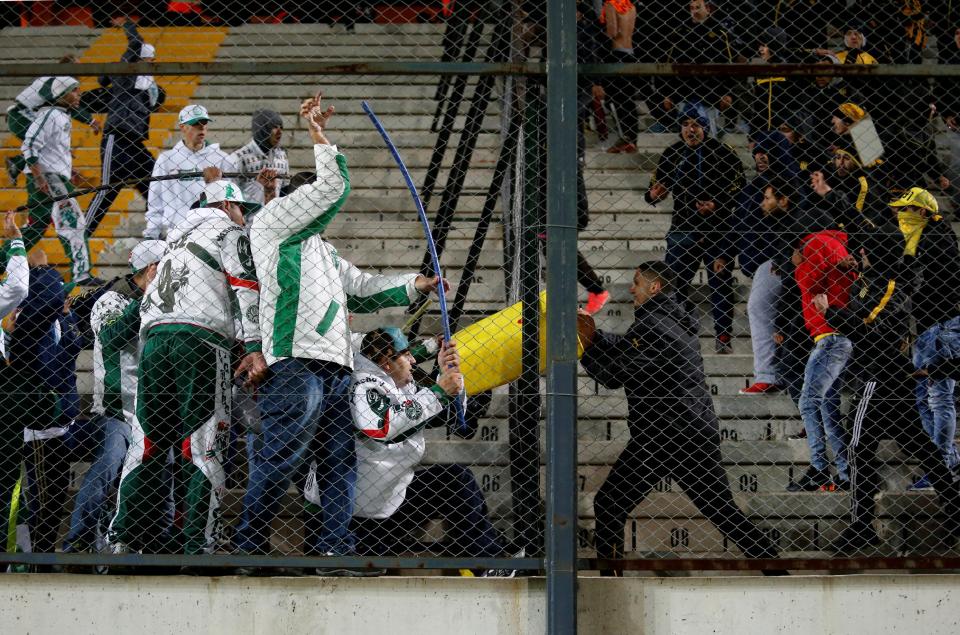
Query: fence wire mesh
pixel 235 348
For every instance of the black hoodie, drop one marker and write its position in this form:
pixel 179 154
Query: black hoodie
pixel 658 364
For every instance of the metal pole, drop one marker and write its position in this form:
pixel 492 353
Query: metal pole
pixel 561 317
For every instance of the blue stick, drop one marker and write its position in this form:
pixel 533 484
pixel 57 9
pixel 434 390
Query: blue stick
pixel 431 246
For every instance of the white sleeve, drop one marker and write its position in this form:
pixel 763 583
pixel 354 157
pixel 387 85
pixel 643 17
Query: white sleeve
pixel 370 292
pixel 14 289
pixel 312 206
pixel 383 416
pixel 37 137
pixel 155 202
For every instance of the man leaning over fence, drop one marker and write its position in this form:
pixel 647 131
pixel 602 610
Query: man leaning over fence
pixel 205 285
pixel 307 290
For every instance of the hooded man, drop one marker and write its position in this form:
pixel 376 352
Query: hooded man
pixel 932 258
pixel 206 285
pixel 262 158
pixel 877 320
pixel 705 176
pixel 130 101
pixel 46 147
pixel 308 290
pixel 24 111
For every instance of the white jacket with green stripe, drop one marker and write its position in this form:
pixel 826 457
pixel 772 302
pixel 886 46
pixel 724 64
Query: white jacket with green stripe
pixel 306 288
pixel 206 282
pixel 47 142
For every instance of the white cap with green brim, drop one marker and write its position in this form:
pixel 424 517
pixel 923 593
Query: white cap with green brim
pixel 191 114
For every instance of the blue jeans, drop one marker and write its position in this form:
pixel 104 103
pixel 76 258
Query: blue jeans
pixel 305 414
pixel 89 507
pixel 684 254
pixel 935 397
pixel 820 402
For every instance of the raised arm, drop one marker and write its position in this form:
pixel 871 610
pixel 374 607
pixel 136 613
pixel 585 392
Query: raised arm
pixel 309 209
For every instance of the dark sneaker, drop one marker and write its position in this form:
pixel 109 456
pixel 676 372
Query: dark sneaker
pixel 842 484
pixel 346 572
pixel 855 538
pixel 799 435
pixel 724 345
pixel 812 480
pixel 12 170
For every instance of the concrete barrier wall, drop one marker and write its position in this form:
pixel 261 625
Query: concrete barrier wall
pixel 116 605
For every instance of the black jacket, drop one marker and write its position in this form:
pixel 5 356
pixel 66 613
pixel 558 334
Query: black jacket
pixel 128 109
pixel 709 172
pixel 705 43
pixel 658 364
pixel 934 275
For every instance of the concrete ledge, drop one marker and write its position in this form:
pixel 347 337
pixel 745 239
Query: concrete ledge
pixel 878 605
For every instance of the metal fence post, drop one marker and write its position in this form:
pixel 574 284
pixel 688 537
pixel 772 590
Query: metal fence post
pixel 561 317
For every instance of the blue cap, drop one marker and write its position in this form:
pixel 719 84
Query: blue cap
pixel 400 342
pixel 696 113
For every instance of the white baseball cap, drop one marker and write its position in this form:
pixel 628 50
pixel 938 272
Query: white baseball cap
pixel 222 191
pixel 147 50
pixel 193 113
pixel 145 253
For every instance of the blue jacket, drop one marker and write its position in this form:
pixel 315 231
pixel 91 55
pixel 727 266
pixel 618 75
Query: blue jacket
pixel 47 365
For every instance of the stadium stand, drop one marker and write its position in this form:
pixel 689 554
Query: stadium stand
pixel 378 230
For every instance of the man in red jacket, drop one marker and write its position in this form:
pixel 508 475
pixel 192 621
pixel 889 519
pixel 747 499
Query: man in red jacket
pixel 824 275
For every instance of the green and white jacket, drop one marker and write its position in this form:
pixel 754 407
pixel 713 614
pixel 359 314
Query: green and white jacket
pixel 206 283
pixel 115 321
pixel 306 288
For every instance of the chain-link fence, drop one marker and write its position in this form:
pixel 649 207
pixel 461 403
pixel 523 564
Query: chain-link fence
pixel 246 359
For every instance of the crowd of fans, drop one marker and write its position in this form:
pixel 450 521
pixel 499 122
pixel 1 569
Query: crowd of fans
pixel 854 271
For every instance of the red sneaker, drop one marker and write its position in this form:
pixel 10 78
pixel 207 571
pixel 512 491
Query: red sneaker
pixel 595 301
pixel 622 147
pixel 759 388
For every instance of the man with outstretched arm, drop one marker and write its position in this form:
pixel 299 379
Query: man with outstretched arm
pixel 674 431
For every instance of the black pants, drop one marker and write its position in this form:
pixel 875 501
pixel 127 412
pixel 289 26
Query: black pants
pixel 122 158
pixel 47 466
pixel 694 464
pixel 449 492
pixel 887 409
pixel 622 95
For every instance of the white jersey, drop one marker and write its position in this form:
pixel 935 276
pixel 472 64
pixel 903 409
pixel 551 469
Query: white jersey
pixel 207 272
pixel 250 159
pixel 307 289
pixel 390 442
pixel 47 142
pixel 169 202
